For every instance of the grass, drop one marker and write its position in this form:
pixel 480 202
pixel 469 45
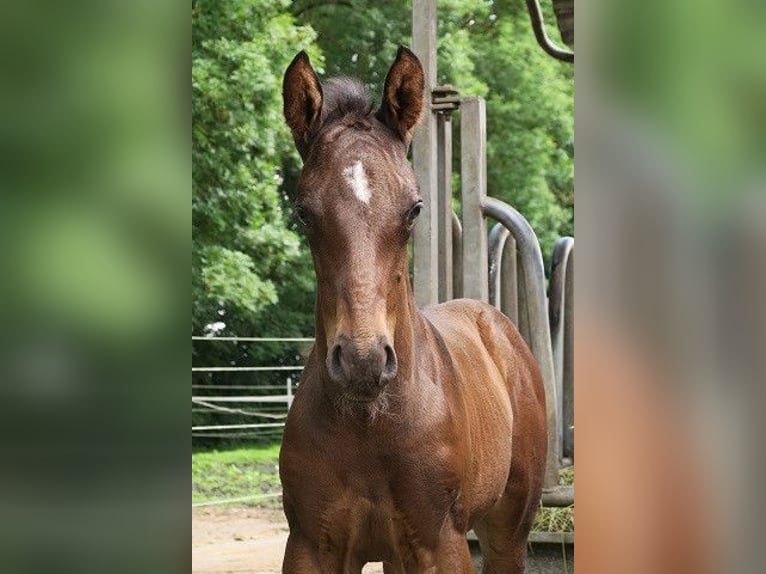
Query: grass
pixel 235 473
pixel 557 519
pixel 253 470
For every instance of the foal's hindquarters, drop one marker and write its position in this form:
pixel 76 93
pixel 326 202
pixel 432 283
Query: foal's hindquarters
pixel 461 446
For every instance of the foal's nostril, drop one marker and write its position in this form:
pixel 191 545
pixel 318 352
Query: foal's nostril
pixel 334 363
pixel 389 369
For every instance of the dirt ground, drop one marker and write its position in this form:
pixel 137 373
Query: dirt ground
pixel 241 540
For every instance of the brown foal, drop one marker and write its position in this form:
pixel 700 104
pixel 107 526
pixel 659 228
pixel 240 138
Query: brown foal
pixel 409 427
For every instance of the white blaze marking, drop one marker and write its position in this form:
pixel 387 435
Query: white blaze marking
pixel 356 177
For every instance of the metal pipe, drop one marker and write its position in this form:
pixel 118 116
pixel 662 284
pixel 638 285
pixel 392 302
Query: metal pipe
pixel 523 323
pixel 509 281
pixel 457 257
pixel 503 275
pixel 560 303
pixel 568 371
pixel 532 284
pixel 538 25
pixel 558 496
pixel 496 243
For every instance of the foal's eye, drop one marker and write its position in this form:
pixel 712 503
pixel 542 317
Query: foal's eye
pixel 413 213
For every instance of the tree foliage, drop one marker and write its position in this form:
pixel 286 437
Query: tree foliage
pixel 530 108
pixel 242 245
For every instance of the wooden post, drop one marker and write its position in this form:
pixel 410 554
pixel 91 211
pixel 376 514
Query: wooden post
pixel 424 160
pixel 473 185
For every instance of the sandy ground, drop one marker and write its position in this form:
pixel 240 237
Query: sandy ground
pixel 241 540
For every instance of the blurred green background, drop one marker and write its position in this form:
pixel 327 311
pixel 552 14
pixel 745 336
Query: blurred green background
pixel 94 230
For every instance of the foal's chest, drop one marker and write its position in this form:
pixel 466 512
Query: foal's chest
pixel 394 520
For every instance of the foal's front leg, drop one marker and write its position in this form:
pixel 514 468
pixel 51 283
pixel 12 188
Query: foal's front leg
pixel 453 556
pixel 300 556
pixel 303 557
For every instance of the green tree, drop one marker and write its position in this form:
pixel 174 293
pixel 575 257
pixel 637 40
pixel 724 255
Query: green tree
pixel 250 273
pixel 242 246
pixel 530 122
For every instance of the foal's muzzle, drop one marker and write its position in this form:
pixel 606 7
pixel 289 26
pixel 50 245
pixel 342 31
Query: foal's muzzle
pixel 363 374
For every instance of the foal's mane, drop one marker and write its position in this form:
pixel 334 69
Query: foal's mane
pixel 344 97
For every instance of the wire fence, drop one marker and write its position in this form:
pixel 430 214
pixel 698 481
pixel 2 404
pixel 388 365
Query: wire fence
pixel 238 499
pixel 266 403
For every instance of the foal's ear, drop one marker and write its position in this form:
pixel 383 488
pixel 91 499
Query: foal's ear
pixel 403 97
pixel 302 98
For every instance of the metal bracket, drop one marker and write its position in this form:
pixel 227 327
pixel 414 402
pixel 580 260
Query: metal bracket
pixel 445 99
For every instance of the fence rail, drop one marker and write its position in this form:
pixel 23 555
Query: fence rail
pixel 245 426
pixel 257 339
pixel 245 369
pixel 244 399
pixel 271 407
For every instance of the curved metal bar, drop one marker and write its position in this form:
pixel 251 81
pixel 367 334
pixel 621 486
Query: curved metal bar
pixel 509 281
pixel 457 257
pixel 503 276
pixel 533 285
pixel 568 371
pixel 496 244
pixel 560 301
pixel 558 496
pixel 538 25
pixel 559 259
pixel 522 311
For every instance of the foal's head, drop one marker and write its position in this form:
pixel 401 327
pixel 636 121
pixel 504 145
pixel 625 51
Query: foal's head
pixel 357 199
